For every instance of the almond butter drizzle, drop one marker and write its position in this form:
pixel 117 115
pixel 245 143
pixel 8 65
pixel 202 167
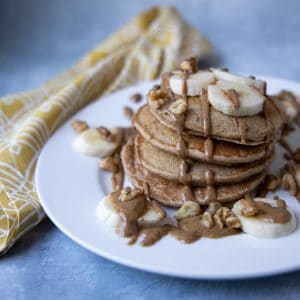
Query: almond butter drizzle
pixel 129 212
pixel 208 148
pixel 210 194
pixel 233 97
pixel 206 112
pixel 185 177
pixel 276 215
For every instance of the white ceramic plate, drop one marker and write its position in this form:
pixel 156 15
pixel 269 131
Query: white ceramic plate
pixel 70 187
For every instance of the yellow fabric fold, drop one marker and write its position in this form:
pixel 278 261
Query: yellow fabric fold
pixel 153 42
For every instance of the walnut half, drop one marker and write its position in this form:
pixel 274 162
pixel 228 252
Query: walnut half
pixel 188 209
pixel 178 107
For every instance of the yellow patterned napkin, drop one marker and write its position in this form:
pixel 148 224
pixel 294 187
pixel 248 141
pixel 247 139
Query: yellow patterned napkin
pixel 151 43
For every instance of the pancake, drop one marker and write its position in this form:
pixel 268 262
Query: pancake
pixel 171 193
pixel 225 153
pixel 252 130
pixel 169 166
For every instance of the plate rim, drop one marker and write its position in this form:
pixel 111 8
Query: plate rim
pixel 146 267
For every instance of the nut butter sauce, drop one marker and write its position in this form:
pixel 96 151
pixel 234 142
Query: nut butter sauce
pixel 185 177
pixel 129 212
pixel 276 215
pixel 210 193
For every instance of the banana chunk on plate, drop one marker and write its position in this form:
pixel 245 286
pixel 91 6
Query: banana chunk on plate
pixel 235 99
pixel 265 218
pixel 195 82
pixel 92 142
pixel 108 214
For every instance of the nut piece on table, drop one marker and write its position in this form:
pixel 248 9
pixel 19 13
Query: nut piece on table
pixel 79 126
pixel 157 98
pixel 188 209
pixel 130 194
pixel 249 207
pixel 178 107
pixel 109 164
pixel 189 65
pixel 207 220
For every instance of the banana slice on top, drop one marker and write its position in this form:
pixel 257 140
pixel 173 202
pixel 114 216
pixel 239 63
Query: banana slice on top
pixel 265 218
pixel 260 85
pixel 195 82
pixel 235 99
pixel 92 143
pixel 107 213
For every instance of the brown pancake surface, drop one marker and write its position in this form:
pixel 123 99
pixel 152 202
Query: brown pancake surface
pixel 225 153
pixel 169 166
pixel 170 192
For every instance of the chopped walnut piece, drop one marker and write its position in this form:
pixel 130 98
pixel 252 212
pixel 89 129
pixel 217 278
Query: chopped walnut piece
pixel 219 221
pixel 106 133
pixel 271 182
pixel 207 220
pixel 109 164
pixel 128 112
pixel 79 126
pixel 189 65
pixel 136 98
pixel 130 194
pixel 157 98
pixel 223 212
pixel 290 106
pixel 289 179
pixel 178 107
pixel 224 217
pixel 188 209
pixel 213 207
pixel 297 155
pixel 233 221
pixel 249 207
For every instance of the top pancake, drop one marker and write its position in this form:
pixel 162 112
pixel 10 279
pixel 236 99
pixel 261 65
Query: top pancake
pixel 257 129
pixel 166 139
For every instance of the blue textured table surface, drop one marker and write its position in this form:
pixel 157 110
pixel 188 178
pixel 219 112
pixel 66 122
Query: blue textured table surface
pixel 39 38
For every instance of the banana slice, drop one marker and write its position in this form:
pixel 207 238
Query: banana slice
pixel 195 82
pixel 91 143
pixel 262 227
pixel 107 214
pixel 248 101
pixel 260 85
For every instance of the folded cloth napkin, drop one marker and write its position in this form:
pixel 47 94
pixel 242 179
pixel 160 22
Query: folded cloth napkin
pixel 153 42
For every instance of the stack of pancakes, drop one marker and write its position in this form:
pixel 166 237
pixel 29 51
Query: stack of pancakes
pixel 202 155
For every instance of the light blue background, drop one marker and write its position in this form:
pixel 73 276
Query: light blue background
pixel 39 38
